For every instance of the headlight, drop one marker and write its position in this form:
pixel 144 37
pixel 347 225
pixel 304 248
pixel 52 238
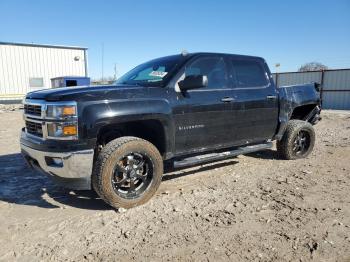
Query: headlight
pixel 61 111
pixel 63 130
pixel 63 120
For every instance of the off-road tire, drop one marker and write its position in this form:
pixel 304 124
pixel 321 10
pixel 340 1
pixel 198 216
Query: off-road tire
pixel 286 144
pixel 105 163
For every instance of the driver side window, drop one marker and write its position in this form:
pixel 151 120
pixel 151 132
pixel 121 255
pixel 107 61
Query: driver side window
pixel 212 67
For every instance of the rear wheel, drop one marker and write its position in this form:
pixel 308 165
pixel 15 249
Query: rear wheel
pixel 128 172
pixel 298 140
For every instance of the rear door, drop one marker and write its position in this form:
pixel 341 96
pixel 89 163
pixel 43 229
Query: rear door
pixel 255 106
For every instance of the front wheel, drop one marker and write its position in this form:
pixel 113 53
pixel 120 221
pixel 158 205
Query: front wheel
pixel 128 172
pixel 298 140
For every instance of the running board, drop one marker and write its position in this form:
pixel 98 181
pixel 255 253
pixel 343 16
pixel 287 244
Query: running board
pixel 201 159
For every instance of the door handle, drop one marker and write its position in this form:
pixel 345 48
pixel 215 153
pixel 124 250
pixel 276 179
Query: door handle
pixel 271 97
pixel 227 99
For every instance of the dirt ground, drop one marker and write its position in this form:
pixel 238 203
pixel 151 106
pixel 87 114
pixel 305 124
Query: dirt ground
pixel 249 208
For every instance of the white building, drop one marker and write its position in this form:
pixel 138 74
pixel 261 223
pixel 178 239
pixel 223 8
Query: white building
pixel 29 67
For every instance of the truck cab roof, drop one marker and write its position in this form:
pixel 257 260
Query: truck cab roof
pixel 226 54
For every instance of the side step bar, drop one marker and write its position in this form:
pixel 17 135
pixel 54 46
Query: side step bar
pixel 201 159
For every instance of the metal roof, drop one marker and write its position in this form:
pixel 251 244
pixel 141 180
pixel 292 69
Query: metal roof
pixel 60 77
pixel 44 45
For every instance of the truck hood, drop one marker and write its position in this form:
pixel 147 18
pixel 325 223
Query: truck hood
pixel 85 93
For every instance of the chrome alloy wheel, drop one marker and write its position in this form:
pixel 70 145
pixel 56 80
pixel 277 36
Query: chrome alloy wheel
pixel 132 175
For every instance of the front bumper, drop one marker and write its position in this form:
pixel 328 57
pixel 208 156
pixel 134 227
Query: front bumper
pixel 70 169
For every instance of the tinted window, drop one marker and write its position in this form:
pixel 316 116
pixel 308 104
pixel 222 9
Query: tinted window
pixel 248 73
pixel 212 67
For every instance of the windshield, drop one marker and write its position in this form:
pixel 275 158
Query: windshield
pixel 152 73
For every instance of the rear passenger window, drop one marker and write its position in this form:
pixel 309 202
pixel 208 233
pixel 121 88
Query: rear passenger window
pixel 248 73
pixel 212 67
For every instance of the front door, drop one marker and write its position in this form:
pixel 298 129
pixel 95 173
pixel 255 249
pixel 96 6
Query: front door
pixel 202 116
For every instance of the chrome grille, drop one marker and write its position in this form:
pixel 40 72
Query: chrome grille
pixel 34 110
pixel 34 128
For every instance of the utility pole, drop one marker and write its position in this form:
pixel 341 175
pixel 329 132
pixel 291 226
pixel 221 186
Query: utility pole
pixel 277 65
pixel 115 71
pixel 102 62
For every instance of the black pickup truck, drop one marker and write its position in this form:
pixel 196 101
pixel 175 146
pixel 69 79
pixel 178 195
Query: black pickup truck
pixel 181 110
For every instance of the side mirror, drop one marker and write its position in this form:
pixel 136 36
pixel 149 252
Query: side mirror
pixel 193 82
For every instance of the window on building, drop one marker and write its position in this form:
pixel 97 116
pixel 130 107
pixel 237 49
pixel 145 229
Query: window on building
pixel 71 83
pixel 36 82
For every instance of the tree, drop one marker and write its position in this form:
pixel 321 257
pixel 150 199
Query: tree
pixel 312 66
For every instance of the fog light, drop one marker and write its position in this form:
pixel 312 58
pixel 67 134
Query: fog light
pixel 57 161
pixel 54 161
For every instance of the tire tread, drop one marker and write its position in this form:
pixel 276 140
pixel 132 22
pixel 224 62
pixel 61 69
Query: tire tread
pixel 101 160
pixel 284 146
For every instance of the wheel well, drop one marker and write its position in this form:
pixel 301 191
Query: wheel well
pixel 301 112
pixel 150 130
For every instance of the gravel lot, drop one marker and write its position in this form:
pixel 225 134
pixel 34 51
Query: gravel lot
pixel 249 208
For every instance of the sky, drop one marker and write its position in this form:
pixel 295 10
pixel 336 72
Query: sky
pixel 289 33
